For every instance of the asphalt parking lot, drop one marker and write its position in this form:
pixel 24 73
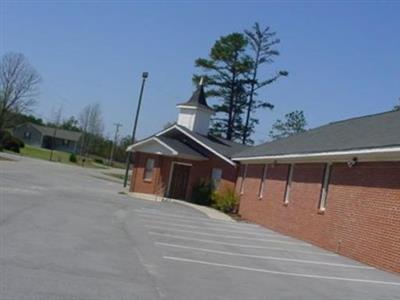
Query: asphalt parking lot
pixel 65 233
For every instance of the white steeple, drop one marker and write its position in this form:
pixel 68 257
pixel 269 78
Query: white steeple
pixel 195 114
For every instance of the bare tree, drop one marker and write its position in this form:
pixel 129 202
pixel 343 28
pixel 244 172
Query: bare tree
pixel 397 107
pixel 96 125
pixel 18 85
pixel 91 122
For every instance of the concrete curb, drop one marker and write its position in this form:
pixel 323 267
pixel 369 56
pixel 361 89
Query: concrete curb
pixel 209 211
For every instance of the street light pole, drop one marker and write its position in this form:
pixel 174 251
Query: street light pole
pixel 128 157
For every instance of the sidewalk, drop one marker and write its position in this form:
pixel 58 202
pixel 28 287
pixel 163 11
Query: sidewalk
pixel 209 211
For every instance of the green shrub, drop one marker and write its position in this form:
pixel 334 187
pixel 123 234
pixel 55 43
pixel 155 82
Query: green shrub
pixel 225 201
pixel 12 145
pixel 99 161
pixel 72 158
pixel 21 144
pixel 4 136
pixel 9 142
pixel 201 193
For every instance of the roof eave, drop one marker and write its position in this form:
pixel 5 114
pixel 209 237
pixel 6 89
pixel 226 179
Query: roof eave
pixel 188 106
pixel 367 154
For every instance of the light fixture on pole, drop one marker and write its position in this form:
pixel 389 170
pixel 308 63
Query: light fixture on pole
pixel 128 157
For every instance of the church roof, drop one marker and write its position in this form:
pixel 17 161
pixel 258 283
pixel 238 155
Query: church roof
pixel 198 99
pixel 378 131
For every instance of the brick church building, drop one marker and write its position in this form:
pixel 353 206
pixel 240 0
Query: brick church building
pixel 170 162
pixel 336 186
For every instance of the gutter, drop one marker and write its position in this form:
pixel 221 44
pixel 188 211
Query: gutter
pixel 389 153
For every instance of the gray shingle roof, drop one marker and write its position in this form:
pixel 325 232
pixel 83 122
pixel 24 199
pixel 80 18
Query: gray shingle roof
pixel 222 146
pixel 180 147
pixel 177 141
pixel 367 132
pixel 61 133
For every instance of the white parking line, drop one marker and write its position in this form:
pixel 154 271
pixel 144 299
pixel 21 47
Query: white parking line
pixel 239 245
pixel 228 236
pixel 230 226
pixel 211 228
pixel 265 257
pixel 281 273
pixel 232 223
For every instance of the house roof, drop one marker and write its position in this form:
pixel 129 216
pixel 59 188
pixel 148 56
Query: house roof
pixel 61 133
pixel 198 99
pixel 368 132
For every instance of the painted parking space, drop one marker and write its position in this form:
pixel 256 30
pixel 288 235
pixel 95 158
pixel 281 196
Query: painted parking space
pixel 221 245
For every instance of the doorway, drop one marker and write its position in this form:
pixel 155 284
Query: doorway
pixel 179 179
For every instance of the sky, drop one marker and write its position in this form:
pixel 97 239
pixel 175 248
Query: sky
pixel 343 57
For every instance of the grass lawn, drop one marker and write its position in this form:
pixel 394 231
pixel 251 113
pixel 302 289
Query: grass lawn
pixel 59 156
pixel 44 154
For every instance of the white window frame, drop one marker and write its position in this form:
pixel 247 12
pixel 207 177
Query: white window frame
pixel 27 135
pixel 262 183
pixel 325 187
pixel 149 178
pixel 243 179
pixel 288 184
pixel 214 178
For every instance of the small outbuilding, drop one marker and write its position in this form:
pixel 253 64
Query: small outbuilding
pixel 48 137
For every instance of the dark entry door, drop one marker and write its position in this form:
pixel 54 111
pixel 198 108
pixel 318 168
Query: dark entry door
pixel 179 181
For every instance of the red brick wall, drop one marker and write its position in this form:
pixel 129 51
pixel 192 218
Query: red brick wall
pixel 200 169
pixel 362 217
pixel 138 183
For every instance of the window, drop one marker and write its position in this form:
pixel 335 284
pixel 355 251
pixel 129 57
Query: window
pixel 65 142
pixel 244 173
pixel 288 184
pixel 149 168
pixel 262 182
pixel 27 135
pixel 325 186
pixel 216 177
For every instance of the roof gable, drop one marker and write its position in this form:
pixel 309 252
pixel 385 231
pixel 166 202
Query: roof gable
pixel 218 146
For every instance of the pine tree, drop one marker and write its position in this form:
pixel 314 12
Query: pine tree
pixel 295 122
pixel 226 72
pixel 261 42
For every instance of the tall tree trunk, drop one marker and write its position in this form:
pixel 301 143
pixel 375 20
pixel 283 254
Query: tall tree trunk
pixel 250 104
pixel 229 132
pixel 230 109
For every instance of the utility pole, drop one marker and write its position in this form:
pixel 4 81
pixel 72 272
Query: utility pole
pixel 128 157
pixel 117 126
pixel 57 120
